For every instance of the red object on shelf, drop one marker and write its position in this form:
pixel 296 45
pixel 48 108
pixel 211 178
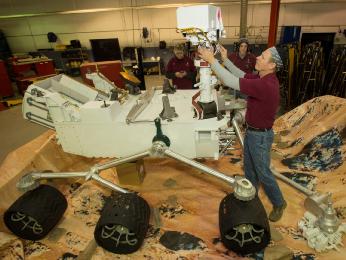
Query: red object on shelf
pixel 30 71
pixel 33 68
pixel 20 69
pixel 44 68
pixel 6 89
pixel 110 69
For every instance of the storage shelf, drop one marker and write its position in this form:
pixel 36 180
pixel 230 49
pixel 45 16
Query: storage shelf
pixel 64 58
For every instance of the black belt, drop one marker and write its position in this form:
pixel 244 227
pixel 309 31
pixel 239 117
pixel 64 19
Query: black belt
pixel 248 127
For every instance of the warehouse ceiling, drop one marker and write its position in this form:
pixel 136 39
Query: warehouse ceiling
pixel 20 8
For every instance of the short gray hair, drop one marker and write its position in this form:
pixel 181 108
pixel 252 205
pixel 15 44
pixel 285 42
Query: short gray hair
pixel 276 58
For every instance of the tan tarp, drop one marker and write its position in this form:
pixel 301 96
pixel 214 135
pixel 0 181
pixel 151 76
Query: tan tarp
pixel 183 199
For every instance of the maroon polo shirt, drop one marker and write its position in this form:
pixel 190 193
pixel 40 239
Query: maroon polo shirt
pixel 246 64
pixel 184 64
pixel 263 99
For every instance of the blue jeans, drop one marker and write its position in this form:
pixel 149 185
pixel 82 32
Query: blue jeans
pixel 257 147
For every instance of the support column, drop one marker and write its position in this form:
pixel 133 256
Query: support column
pixel 243 18
pixel 274 19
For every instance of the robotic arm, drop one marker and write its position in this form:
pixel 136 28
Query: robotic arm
pixel 202 26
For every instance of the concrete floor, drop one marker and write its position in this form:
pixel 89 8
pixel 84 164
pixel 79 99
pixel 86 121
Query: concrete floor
pixel 15 131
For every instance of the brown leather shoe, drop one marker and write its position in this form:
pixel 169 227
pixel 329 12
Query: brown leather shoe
pixel 276 213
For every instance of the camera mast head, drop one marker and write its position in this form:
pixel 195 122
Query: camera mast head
pixel 201 24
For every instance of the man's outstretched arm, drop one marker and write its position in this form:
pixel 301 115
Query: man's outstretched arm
pixel 224 75
pixel 233 69
pixel 229 64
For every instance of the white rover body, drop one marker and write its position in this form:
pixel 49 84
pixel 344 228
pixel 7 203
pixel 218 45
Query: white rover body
pixel 87 124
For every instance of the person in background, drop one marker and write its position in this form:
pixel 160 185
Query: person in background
pixel 181 69
pixel 262 104
pixel 242 58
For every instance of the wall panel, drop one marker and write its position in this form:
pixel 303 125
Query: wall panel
pixel 127 24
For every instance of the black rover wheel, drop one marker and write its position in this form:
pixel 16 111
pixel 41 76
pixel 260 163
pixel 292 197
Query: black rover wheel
pixel 244 225
pixel 123 224
pixel 36 212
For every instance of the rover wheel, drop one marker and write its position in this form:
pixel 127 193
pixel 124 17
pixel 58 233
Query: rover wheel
pixel 123 223
pixel 36 212
pixel 244 225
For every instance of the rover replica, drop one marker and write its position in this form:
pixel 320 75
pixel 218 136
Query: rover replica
pixel 110 122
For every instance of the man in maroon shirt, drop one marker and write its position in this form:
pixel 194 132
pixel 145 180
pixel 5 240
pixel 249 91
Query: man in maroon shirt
pixel 242 58
pixel 181 69
pixel 262 105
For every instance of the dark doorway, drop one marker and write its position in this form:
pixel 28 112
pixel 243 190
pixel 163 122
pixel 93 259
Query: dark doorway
pixel 105 49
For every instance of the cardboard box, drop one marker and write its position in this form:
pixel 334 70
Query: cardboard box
pixel 131 173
